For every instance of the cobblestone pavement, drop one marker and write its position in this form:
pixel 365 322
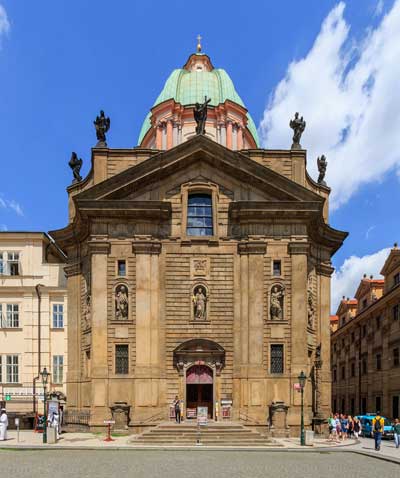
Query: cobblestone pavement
pixel 387 448
pixel 190 464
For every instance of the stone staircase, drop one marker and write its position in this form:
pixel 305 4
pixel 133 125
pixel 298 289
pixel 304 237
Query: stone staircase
pixel 214 434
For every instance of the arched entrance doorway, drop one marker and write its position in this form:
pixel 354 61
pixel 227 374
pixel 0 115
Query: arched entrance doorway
pixel 199 389
pixel 199 363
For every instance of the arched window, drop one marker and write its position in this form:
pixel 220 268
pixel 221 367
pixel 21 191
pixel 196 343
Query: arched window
pixel 199 217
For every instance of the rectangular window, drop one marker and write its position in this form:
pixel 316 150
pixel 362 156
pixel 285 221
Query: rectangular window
pixel 12 372
pixel 334 347
pixel 364 303
pixel 334 376
pixel 121 359
pixel 58 316
pixel 1 263
pixel 200 215
pixel 364 366
pixel 395 312
pixel 378 362
pixel 364 330
pixel 396 279
pixel 276 268
pixel 13 263
pixel 396 357
pixel 12 320
pixel 121 268
pixel 353 369
pixel 395 406
pixel 277 358
pixel 58 368
pixel 352 406
pixel 343 405
pixel 378 403
pixel 378 323
pixel 352 337
pixel 363 405
pixel 343 373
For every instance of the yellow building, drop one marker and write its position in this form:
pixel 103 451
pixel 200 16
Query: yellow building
pixel 33 312
pixel 366 346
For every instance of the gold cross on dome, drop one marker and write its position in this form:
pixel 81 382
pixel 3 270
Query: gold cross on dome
pixel 198 44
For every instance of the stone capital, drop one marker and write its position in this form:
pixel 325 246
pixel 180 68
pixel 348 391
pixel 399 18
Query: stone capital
pixel 298 248
pixel 256 247
pixel 146 247
pixel 99 247
pixel 73 269
pixel 324 269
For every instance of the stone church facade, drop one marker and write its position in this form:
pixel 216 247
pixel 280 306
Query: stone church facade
pixel 199 266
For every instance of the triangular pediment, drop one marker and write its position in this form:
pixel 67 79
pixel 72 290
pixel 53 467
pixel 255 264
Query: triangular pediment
pixel 199 154
pixel 392 262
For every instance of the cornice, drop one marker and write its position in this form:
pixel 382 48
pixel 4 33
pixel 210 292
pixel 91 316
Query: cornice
pixel 99 247
pixel 146 247
pixel 256 247
pixel 324 269
pixel 298 248
pixel 72 269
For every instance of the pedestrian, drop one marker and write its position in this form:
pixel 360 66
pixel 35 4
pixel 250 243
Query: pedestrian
pixel 3 424
pixel 396 432
pixel 338 427
pixel 177 408
pixel 55 423
pixel 357 427
pixel 378 424
pixel 332 428
pixel 350 427
pixel 345 426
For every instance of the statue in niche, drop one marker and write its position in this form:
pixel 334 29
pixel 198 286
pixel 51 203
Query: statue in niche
pixel 121 302
pixel 200 303
pixel 310 304
pixel 298 126
pixel 276 302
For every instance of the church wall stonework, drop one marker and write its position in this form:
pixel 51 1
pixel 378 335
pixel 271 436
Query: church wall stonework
pixel 264 210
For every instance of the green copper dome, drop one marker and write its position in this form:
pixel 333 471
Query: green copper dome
pixel 189 87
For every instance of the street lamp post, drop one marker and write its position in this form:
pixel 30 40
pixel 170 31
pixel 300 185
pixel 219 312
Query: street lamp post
pixel 302 381
pixel 45 377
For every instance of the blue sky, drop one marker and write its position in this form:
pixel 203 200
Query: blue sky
pixel 61 61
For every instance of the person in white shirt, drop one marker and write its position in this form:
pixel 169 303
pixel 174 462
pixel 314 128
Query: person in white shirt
pixel 3 424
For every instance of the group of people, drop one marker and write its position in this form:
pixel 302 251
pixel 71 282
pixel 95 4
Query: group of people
pixel 53 421
pixel 343 426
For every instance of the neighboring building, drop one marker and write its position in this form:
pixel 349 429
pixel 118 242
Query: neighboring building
pixel 366 346
pixel 198 270
pixel 31 264
pixel 334 321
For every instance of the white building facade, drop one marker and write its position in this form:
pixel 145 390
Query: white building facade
pixel 33 320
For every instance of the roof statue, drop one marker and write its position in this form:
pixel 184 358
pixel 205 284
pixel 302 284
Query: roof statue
pixel 322 164
pixel 75 164
pixel 298 126
pixel 200 116
pixel 102 125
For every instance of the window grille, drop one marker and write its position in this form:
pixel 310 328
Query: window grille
pixel 58 368
pixel 12 372
pixel 121 268
pixel 58 316
pixel 13 263
pixel 12 320
pixel 276 268
pixel 121 359
pixel 277 358
pixel 199 216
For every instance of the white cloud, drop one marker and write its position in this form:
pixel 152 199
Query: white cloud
pixel 349 95
pixel 368 231
pixel 379 8
pixel 346 279
pixel 11 204
pixel 3 227
pixel 4 23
